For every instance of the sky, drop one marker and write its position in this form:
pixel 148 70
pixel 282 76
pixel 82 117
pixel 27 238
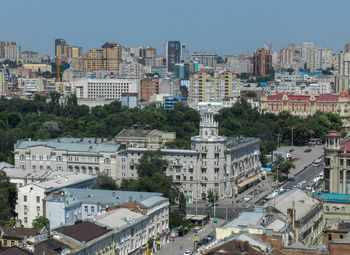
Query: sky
pixel 222 26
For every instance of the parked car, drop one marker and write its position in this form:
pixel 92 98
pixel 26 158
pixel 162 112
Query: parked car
pixel 188 252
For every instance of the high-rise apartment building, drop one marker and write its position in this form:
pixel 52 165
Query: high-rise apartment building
pixel 12 51
pixel 147 52
pixel 149 87
pixel 306 53
pixel 75 52
pixel 320 59
pixel 205 88
pixel 61 48
pixel 106 58
pixel 172 54
pixel 262 61
pixel 205 58
pixel 286 55
pixel 343 77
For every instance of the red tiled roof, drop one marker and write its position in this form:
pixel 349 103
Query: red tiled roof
pixel 83 231
pixel 345 147
pixel 304 98
pixel 327 98
pixel 276 96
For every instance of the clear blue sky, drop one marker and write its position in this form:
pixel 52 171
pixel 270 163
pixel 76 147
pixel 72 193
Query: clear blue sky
pixel 222 26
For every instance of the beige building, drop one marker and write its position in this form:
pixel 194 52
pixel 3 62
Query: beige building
pixel 106 58
pixel 3 87
pixel 38 67
pixel 306 105
pixel 320 58
pixel 153 139
pixel 75 52
pixel 206 88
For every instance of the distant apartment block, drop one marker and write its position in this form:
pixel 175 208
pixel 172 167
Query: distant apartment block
pixel 172 54
pixel 262 62
pixel 105 89
pixel 206 88
pixel 149 87
pixel 207 59
pixel 129 100
pixel 170 101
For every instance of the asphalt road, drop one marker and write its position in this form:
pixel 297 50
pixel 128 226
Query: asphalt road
pixel 220 212
pixel 307 176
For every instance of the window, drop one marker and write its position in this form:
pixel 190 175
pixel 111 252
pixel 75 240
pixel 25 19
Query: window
pixel 25 220
pixel 92 209
pixel 25 198
pixel 25 208
pixel 341 162
pixel 341 236
pixel 327 209
pixel 38 209
pixel 86 208
pixel 38 199
pixel 329 237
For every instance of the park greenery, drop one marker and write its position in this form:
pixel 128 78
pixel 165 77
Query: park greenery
pixel 242 120
pixel 8 197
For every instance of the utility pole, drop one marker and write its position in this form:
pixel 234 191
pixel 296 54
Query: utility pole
pixel 292 135
pixel 278 140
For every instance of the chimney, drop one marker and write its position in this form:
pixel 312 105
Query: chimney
pixel 246 246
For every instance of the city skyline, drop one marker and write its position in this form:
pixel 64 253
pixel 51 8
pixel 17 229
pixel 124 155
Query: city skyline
pixel 230 28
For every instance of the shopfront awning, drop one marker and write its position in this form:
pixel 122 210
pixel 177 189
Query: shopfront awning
pixel 250 180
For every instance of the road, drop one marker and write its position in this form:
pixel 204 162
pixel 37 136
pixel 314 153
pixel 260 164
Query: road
pixel 232 211
pixel 307 176
pixel 182 243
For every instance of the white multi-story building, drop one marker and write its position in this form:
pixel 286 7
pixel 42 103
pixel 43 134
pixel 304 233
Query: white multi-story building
pixel 31 197
pixel 86 155
pixel 226 165
pixel 107 89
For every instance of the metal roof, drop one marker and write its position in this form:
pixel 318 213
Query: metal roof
pixel 71 144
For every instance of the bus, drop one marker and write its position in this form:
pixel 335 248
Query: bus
pixel 317 162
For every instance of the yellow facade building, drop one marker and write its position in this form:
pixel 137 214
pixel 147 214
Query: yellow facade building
pixel 306 105
pixel 206 88
pixel 38 67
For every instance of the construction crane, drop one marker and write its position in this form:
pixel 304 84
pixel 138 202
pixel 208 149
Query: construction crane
pixel 58 68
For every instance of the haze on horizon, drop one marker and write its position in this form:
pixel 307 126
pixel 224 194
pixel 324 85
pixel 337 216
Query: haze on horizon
pixel 224 26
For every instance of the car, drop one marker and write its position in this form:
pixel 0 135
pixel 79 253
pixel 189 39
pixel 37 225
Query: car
pixel 309 187
pixel 210 237
pixel 188 252
pixel 292 179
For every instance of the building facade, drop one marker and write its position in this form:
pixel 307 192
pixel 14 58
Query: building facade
pixel 262 62
pixel 107 89
pixel 149 87
pixel 31 197
pixel 306 105
pixel 172 54
pixel 206 88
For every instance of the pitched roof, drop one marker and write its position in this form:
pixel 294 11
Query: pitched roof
pixel 83 231
pixel 139 133
pixel 304 98
pixel 303 203
pixel 50 247
pixel 20 232
pixel 14 250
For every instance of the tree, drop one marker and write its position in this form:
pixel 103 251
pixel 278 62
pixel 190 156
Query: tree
pixel 41 222
pixel 212 198
pixel 282 166
pixel 150 163
pixel 182 204
pixel 8 197
pixel 105 182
